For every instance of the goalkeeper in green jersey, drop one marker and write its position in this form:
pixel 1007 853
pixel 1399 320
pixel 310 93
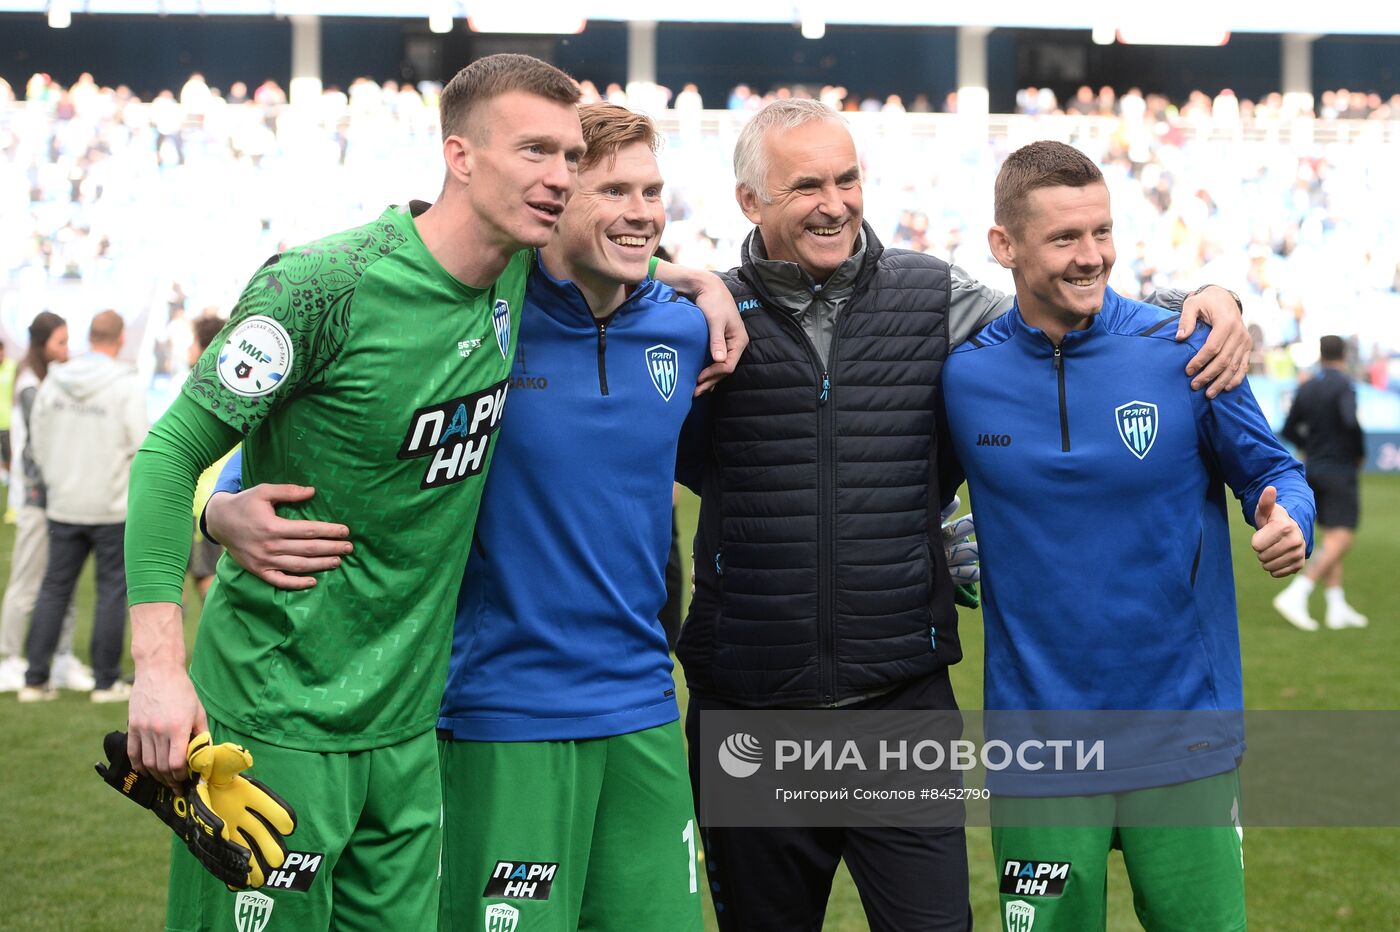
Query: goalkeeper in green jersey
pixel 371 364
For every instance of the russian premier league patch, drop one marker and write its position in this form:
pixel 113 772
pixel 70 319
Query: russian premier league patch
pixel 500 319
pixel 256 357
pixel 663 365
pixel 1137 426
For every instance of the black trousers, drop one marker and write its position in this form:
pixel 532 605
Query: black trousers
pixel 69 546
pixel 779 879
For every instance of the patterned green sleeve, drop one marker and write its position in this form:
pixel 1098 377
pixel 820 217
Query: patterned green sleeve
pixel 286 329
pixel 182 444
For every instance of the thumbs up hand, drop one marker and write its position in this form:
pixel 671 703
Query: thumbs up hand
pixel 1277 539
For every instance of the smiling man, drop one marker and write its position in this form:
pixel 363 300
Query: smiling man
pixel 1105 546
pixel 342 365
pixel 563 756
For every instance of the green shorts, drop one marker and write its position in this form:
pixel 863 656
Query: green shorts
pixel 1185 878
pixel 365 853
pixel 554 836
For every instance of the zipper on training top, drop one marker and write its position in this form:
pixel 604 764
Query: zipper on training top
pixel 1059 363
pixel 602 324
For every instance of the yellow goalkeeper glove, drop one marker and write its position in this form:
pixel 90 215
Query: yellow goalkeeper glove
pixel 238 809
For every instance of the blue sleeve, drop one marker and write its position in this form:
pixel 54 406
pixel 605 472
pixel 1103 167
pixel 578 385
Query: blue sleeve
pixel 230 480
pixel 231 476
pixel 1251 458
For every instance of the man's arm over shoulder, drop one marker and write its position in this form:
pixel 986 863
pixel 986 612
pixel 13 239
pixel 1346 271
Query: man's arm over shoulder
pixel 727 336
pixel 972 306
pixel 277 550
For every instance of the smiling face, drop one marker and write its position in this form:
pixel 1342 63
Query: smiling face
pixel 814 202
pixel 1060 254
pixel 613 224
pixel 523 165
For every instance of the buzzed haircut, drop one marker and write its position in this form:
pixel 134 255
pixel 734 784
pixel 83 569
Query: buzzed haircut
pixel 106 328
pixel 608 127
pixel 493 76
pixel 1043 164
pixel 206 328
pixel 1332 348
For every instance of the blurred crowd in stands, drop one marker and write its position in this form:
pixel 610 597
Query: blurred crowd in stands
pixel 165 204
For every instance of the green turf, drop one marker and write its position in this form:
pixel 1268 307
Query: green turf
pixel 77 858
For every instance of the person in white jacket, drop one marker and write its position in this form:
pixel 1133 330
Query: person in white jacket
pixel 89 418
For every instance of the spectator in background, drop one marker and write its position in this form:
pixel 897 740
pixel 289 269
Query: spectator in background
pixel 1083 102
pixel 1322 424
pixel 87 423
pixel 689 99
pixel 48 343
pixel 168 121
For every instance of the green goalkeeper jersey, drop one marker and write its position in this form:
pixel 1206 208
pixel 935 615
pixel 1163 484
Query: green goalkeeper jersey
pixel 359 366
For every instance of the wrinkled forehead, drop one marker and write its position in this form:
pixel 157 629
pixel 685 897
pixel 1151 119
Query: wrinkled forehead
pixel 813 153
pixel 828 138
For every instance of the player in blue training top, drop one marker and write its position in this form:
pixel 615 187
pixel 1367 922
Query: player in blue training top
pixel 567 801
pixel 1098 479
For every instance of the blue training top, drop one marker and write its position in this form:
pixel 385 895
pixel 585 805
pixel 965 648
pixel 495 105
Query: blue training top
pixel 557 635
pixel 1097 478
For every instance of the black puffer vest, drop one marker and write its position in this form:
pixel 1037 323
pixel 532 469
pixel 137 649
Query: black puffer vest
pixel 820 575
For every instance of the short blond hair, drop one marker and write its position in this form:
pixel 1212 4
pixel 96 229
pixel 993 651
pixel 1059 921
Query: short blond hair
pixel 608 127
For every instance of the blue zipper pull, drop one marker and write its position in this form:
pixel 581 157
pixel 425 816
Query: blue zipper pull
pixel 826 390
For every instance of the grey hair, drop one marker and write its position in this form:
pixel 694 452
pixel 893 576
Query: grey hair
pixel 750 154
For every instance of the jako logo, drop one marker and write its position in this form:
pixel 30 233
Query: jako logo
pixel 740 755
pixel 994 440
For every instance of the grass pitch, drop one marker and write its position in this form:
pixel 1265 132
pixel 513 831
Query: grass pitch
pixel 77 858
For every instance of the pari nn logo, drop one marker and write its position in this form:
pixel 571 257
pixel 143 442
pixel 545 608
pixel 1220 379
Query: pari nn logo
pixel 741 755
